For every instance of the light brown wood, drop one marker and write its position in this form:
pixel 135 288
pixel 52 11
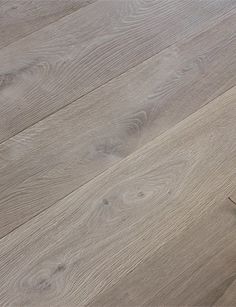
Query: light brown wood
pixel 49 160
pixel 90 240
pixel 52 67
pixel 23 17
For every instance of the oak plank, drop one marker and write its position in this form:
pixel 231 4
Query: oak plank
pixel 49 160
pixel 52 67
pixel 91 239
pixel 21 18
pixel 214 277
pixel 196 268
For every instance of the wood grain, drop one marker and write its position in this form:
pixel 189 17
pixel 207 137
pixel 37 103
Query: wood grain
pixel 49 69
pixel 49 160
pixel 197 268
pixel 90 240
pixel 21 18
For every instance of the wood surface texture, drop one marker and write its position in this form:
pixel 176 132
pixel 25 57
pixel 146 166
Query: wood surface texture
pixel 95 236
pixel 195 269
pixel 49 160
pixel 117 153
pixel 49 69
pixel 23 17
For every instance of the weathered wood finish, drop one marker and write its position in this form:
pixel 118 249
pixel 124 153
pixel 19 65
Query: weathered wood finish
pixel 117 153
pixel 196 268
pixel 54 66
pixel 91 239
pixel 23 17
pixel 49 160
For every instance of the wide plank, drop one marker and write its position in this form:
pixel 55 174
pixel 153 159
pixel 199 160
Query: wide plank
pixel 91 239
pixel 46 162
pixel 52 67
pixel 196 268
pixel 21 18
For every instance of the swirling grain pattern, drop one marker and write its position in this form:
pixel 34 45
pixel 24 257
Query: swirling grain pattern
pixel 117 153
pixel 93 238
pixel 88 48
pixel 49 160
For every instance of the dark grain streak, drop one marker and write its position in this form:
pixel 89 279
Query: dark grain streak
pixel 232 200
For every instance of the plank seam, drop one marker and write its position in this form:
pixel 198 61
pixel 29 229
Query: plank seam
pixel 23 37
pixel 193 35
pixel 116 164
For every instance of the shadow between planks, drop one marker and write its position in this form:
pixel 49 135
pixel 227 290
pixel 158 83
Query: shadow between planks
pixel 196 268
pixel 135 212
pixel 49 160
pixel 67 59
pixel 21 18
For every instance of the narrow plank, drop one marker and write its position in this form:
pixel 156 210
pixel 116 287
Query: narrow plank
pixel 197 268
pixel 21 18
pixel 90 240
pixel 49 160
pixel 49 69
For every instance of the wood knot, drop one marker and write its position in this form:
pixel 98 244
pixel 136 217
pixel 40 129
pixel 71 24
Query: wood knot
pixel 105 202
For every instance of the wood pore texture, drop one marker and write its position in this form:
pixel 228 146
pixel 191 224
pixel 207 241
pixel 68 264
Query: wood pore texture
pixel 117 153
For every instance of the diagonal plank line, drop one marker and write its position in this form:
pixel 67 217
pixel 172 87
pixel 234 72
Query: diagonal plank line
pixel 47 25
pixel 119 162
pixel 194 34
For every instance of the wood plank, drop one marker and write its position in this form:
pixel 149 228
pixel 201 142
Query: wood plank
pixel 90 240
pixel 207 281
pixel 49 160
pixel 21 18
pixel 49 69
pixel 196 268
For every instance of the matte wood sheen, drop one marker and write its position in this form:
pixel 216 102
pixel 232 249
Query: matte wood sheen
pixel 48 161
pixel 52 67
pixel 117 153
pixel 196 268
pixel 137 210
pixel 22 17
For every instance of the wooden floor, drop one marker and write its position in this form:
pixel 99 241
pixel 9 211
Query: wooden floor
pixel 117 153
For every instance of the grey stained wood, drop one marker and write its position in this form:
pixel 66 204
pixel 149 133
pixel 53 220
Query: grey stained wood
pixel 90 240
pixel 46 162
pixel 52 67
pixel 22 17
pixel 196 268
